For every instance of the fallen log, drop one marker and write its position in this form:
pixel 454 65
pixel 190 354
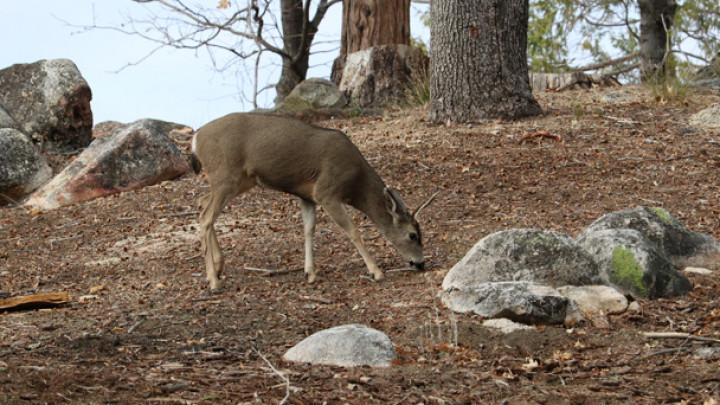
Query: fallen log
pixel 34 301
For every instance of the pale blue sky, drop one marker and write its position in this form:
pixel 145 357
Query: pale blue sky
pixel 172 85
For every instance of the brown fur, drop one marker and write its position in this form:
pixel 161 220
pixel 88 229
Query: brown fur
pixel 320 166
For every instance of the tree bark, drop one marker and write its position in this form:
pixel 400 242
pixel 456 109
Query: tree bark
pixel 296 48
pixel 478 61
pixel 368 23
pixel 656 19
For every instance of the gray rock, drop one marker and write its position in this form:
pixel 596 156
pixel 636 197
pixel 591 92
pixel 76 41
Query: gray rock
pixel 697 270
pixel 346 346
pixel 6 120
pixel 525 255
pixel 707 353
pixel 312 94
pixel 708 118
pixel 379 75
pixel 633 263
pixel 22 168
pixel 505 325
pixel 522 301
pixel 708 83
pixel 50 101
pixel 682 246
pixel 131 157
pixel 616 97
pixel 596 299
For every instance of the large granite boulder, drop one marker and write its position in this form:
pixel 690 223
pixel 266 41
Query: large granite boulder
pixel 22 168
pixel 682 246
pixel 525 255
pixel 633 263
pixel 50 102
pixel 6 119
pixel 346 346
pixel 130 157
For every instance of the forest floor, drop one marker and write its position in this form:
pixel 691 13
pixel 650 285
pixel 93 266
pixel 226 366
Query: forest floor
pixel 142 327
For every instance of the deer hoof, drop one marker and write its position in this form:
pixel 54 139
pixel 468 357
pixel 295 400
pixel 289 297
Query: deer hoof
pixel 215 287
pixel 379 276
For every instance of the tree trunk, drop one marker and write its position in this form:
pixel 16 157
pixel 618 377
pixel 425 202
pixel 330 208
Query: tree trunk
pixel 478 61
pixel 296 47
pixel 656 19
pixel 368 23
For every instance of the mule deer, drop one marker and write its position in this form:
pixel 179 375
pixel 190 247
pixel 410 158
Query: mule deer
pixel 319 165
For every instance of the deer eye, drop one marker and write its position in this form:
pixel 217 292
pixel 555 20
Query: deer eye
pixel 413 237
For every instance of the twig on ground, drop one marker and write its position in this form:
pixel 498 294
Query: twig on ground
pixel 287 380
pixel 270 273
pixel 673 350
pixel 400 269
pixel 132 328
pixel 679 335
pixel 180 214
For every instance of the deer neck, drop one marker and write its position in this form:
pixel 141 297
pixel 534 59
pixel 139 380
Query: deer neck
pixel 371 202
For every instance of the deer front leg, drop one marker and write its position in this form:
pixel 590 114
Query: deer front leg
pixel 308 216
pixel 339 214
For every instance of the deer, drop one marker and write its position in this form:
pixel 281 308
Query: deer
pixel 321 166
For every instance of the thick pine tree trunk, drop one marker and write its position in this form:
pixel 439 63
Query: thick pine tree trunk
pixel 368 23
pixel 478 61
pixel 656 19
pixel 383 26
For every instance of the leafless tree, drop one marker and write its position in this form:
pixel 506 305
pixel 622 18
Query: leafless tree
pixel 244 30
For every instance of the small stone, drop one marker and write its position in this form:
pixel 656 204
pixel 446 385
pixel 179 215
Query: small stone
pixel 707 352
pixel 596 299
pixel 697 270
pixel 505 325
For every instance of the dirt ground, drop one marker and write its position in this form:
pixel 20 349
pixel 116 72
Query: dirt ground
pixel 143 328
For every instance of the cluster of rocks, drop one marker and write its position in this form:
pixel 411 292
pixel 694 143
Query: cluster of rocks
pixel 520 278
pixel 45 111
pixel 539 276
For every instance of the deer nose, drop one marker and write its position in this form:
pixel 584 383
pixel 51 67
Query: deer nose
pixel 420 266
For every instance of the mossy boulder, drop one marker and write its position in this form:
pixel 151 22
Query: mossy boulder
pixel 312 94
pixel 633 263
pixel 541 256
pixel 682 246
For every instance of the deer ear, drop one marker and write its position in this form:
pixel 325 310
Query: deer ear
pixel 393 203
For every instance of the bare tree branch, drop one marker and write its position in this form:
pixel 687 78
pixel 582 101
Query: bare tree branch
pixel 244 30
pixel 610 62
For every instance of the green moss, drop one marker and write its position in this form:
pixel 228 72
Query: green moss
pixel 626 271
pixel 663 214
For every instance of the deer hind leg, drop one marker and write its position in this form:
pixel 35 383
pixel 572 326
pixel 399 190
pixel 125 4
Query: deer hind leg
pixel 339 214
pixel 308 216
pixel 211 205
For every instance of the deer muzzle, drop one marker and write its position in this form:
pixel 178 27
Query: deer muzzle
pixel 420 266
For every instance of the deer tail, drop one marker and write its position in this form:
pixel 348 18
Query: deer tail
pixel 194 161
